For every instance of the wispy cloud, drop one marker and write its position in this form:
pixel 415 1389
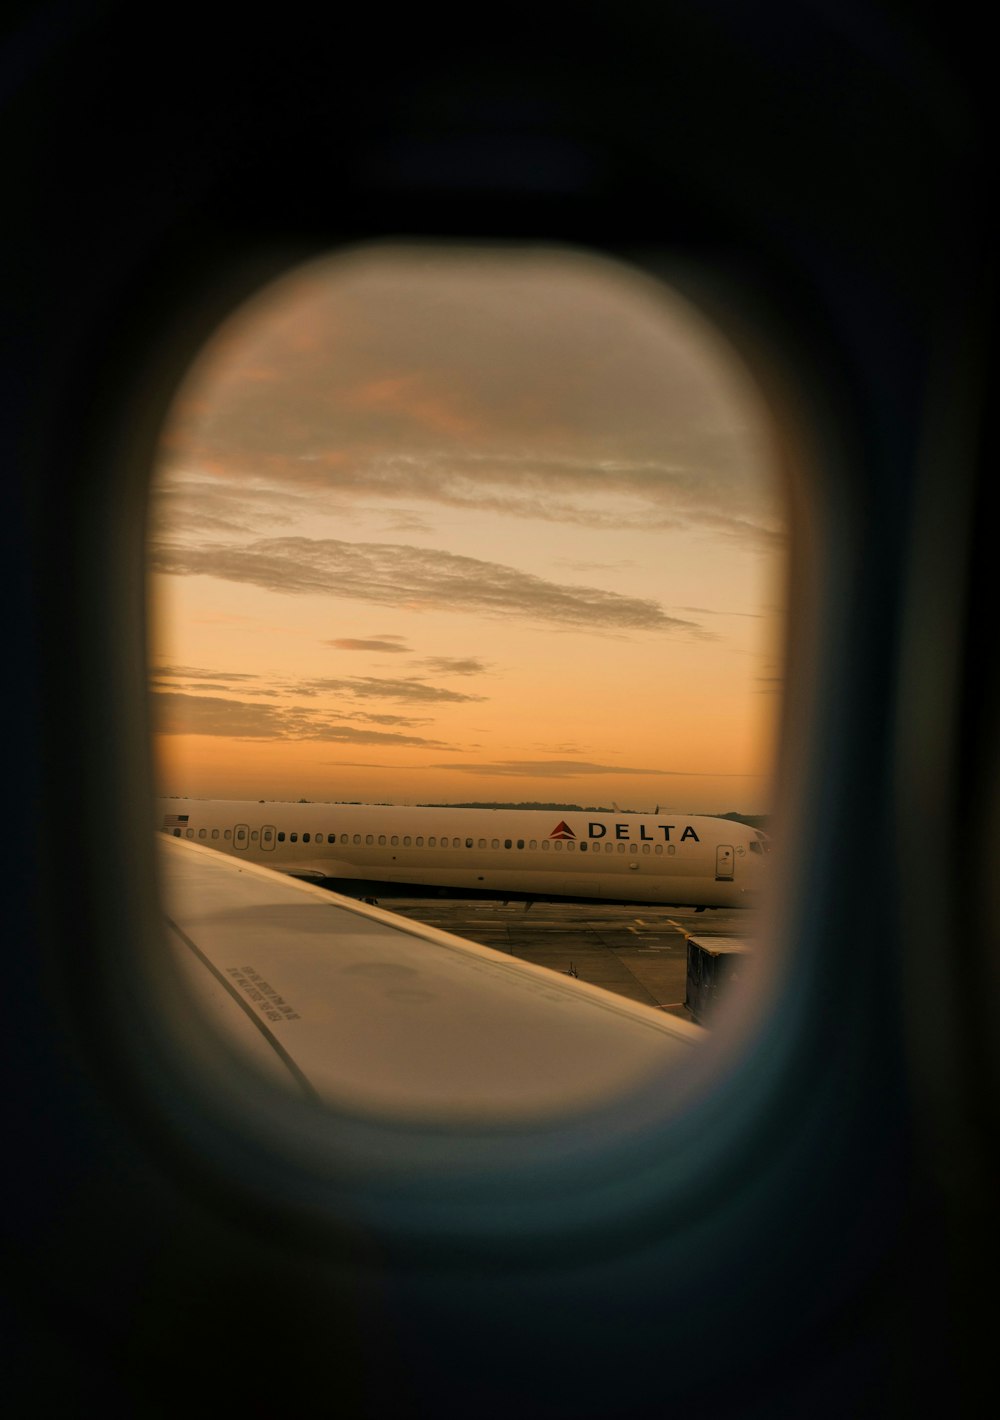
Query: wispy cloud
pixel 397 574
pixel 374 687
pixel 171 682
pixel 175 713
pixel 455 665
pixel 198 673
pixel 543 389
pixel 572 769
pixel 373 719
pixel 394 645
pixel 570 490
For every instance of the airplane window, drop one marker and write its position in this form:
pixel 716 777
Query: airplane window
pixel 202 833
pixel 428 524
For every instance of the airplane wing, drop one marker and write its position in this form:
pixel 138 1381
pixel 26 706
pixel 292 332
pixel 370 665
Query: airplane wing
pixel 308 872
pixel 362 1010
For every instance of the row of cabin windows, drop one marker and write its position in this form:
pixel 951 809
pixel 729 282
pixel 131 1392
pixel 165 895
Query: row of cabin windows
pixel 268 835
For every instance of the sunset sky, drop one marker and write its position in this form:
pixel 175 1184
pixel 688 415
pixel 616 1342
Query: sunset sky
pixel 447 525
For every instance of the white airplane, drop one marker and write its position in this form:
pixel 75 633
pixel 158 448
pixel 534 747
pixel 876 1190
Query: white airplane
pixel 517 855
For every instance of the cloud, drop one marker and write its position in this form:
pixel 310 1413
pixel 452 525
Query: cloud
pixel 174 713
pixel 197 673
pixel 547 387
pixel 396 574
pixel 362 687
pixel 392 644
pixel 710 611
pixel 170 679
pixel 372 719
pixel 207 502
pixel 368 687
pixel 572 769
pixel 455 665
pixel 568 489
pixel 364 764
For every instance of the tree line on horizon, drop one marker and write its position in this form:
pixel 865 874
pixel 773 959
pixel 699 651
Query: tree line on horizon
pixel 751 820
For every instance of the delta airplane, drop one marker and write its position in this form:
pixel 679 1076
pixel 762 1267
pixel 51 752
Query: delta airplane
pixel 516 855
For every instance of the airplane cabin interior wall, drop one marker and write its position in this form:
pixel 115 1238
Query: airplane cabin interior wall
pixel 818 178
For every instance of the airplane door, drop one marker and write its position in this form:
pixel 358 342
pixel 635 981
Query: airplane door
pixel 267 838
pixel 724 860
pixel 241 835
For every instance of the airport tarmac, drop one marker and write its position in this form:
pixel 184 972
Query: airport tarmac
pixel 637 952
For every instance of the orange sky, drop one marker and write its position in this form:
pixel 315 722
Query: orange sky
pixel 440 526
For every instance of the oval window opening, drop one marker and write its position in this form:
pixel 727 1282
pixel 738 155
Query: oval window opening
pixel 440 534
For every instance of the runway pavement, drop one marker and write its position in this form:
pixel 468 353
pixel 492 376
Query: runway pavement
pixel 638 952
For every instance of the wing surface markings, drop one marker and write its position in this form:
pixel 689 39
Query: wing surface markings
pixel 245 1006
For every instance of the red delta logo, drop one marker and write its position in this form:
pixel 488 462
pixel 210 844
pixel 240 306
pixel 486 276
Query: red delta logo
pixel 562 830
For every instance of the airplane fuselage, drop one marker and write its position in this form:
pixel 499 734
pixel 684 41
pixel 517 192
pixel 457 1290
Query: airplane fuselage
pixel 510 854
